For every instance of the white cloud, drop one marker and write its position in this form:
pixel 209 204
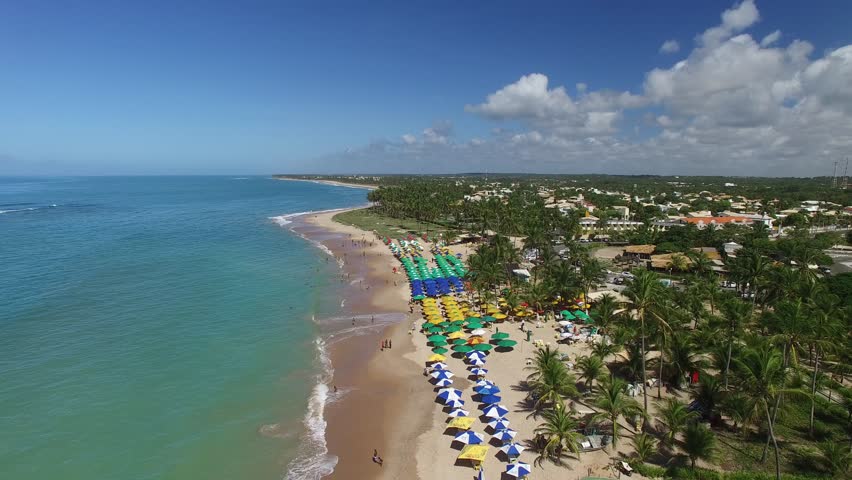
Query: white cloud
pixel 771 38
pixel 732 105
pixel 409 139
pixel 670 46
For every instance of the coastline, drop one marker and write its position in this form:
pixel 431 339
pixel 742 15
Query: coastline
pixel 330 182
pixel 377 388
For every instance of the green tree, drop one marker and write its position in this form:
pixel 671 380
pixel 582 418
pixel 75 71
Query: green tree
pixel 699 443
pixel 612 403
pixel 644 446
pixel 591 369
pixel 675 415
pixel 559 431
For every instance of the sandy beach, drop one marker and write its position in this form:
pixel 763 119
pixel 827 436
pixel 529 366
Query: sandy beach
pixel 389 405
pixel 364 186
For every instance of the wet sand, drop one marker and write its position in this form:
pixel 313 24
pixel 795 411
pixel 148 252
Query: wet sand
pixel 380 388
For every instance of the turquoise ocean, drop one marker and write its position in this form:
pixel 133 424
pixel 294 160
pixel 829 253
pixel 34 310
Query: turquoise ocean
pixel 161 328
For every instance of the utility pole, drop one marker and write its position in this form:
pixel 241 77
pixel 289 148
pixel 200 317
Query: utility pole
pixel 845 183
pixel 834 176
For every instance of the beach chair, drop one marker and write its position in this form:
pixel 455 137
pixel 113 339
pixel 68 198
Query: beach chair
pixel 626 468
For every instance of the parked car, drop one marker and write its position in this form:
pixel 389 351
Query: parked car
pixel 628 275
pixel 825 270
pixel 618 280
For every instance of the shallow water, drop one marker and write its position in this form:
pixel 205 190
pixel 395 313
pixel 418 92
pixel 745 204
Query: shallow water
pixel 158 327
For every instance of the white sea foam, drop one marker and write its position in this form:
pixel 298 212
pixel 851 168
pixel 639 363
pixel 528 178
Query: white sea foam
pixel 12 210
pixel 313 460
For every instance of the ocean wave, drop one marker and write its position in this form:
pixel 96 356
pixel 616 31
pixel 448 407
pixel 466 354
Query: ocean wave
pixel 13 210
pixel 24 209
pixel 313 460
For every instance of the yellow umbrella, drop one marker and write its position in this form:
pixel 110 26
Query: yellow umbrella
pixel 456 335
pixel 476 453
pixel 461 422
pixel 519 314
pixel 500 316
pixel 436 358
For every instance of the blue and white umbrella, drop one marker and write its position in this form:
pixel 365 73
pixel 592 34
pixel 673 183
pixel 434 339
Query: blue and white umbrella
pixel 518 469
pixel 449 395
pixel 459 412
pixel 441 374
pixel 506 435
pixel 495 411
pixel 499 424
pixel 449 390
pixel 512 450
pixel 479 372
pixel 469 437
pixel 475 354
pixel 487 390
pixel 490 399
pixel 454 403
pixel 478 362
pixel 444 382
pixel 483 382
pixel 438 366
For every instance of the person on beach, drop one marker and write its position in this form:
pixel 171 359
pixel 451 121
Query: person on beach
pixel 372 319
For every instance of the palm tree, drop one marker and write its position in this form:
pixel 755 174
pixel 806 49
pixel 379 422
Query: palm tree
pixel 676 415
pixel 550 381
pixel 737 314
pixel 699 443
pixel 605 310
pixel 835 458
pixel 590 274
pixel 643 293
pixel 709 394
pixel 826 322
pixel 750 267
pixel 612 402
pixel 679 262
pixel 644 446
pixel 684 358
pixel 761 378
pixel 559 431
pixel 591 368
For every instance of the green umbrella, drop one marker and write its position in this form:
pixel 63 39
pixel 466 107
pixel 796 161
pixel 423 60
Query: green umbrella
pixel 472 319
pixel 482 347
pixel 581 314
pixel 418 297
pixel 439 350
pixel 462 348
pixel 488 318
pixel 434 329
pixel 426 325
pixel 437 338
pixel 439 344
pixel 458 323
pixel 507 343
pixel 452 329
pixel 567 314
pixel 474 326
pixel 459 341
pixel 445 324
pixel 500 336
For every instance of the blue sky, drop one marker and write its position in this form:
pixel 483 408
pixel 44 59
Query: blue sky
pixel 260 87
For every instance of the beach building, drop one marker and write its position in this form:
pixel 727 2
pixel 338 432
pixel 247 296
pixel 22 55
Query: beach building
pixel 704 222
pixel 639 252
pixel 731 248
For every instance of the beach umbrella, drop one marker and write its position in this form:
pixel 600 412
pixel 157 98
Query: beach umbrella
pixel 479 372
pixel 454 328
pixel 469 437
pixel 505 435
pixel 449 395
pixel 445 324
pixel 476 361
pixel 458 323
pixel 490 399
pixel 436 358
pixel 478 331
pixel 582 315
pixel 489 318
pixel 439 350
pixel 475 453
pixel 518 469
pixel 567 314
pixel 512 449
pixel 500 336
pixel 487 390
pixel 484 382
pixel 463 423
pixel 454 404
pixel 474 326
pixel 472 317
pixel 438 366
pixel 455 335
pixel 462 348
pixel 506 343
pixel 495 411
pixel 454 390
pixel 439 343
pixel 459 412
pixel 482 347
pixel 440 374
pixel 459 341
pixel 499 424
pixel 437 338
pixel 444 382
pixel 500 316
pixel 565 323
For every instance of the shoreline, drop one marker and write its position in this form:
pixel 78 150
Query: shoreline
pixel 377 387
pixel 334 183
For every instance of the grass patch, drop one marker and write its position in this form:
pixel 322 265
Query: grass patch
pixel 372 221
